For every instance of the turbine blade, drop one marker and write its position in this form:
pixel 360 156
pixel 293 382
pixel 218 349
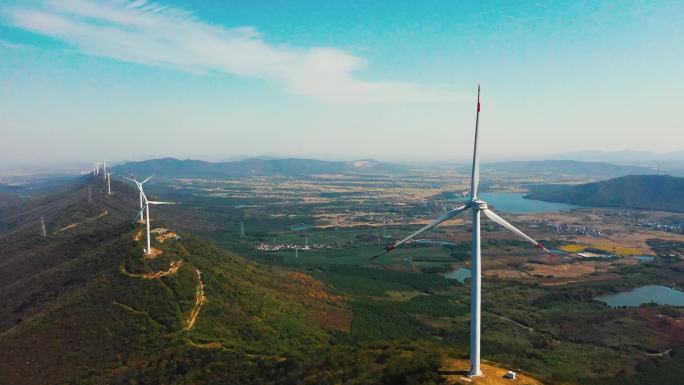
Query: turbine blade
pixel 444 217
pixel 387 250
pixel 475 175
pixel 121 176
pixel 139 214
pixel 161 203
pixel 491 215
pixel 148 178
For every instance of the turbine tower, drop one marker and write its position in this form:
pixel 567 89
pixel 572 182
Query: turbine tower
pixel 109 183
pixel 146 209
pixel 477 206
pixel 43 232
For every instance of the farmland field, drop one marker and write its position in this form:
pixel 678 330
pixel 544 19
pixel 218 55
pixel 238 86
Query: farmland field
pixel 539 312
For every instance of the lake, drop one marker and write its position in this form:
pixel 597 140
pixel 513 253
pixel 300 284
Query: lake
pixel 459 274
pixel 645 258
pixel 662 295
pixel 515 203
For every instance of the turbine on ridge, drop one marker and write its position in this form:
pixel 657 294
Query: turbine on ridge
pixel 145 208
pixel 477 206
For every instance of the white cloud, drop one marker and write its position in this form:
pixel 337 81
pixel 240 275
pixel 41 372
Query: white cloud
pixel 11 45
pixel 156 35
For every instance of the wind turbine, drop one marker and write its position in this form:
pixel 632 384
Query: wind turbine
pixel 139 185
pixel 43 232
pixel 146 209
pixel 109 183
pixel 477 206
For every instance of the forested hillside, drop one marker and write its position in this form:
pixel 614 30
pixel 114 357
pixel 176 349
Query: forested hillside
pixel 651 192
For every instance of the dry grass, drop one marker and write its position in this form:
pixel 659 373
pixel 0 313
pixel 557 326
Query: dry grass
pixel 506 273
pixel 566 270
pixel 329 310
pixel 400 296
pixel 572 248
pixel 455 372
pixel 200 298
pixel 154 253
pixel 166 236
pixel 173 269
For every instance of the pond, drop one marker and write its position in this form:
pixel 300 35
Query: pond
pixel 301 226
pixel 662 295
pixel 435 242
pixel 516 204
pixel 645 258
pixel 459 274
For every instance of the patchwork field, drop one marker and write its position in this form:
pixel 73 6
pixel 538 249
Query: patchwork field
pixel 539 311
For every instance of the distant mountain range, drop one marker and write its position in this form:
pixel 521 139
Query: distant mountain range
pixel 626 156
pixel 650 192
pixel 566 167
pixel 188 168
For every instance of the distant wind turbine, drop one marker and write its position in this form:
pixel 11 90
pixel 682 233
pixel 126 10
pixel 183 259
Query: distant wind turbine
pixel 43 232
pixel 477 206
pixel 109 183
pixel 145 207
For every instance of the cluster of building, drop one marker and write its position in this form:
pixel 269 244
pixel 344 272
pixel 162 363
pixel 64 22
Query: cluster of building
pixel 669 227
pixel 273 246
pixel 563 228
pixel 380 219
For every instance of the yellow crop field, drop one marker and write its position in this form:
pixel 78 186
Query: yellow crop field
pixel 572 248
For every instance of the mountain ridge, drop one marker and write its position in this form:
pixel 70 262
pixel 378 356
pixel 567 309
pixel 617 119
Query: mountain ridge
pixel 84 303
pixel 566 167
pixel 648 192
pixel 191 168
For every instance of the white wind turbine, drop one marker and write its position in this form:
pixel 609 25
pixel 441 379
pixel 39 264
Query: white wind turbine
pixel 477 206
pixel 109 183
pixel 140 189
pixel 145 207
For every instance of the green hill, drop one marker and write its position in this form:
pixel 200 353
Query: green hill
pixel 649 192
pixel 84 306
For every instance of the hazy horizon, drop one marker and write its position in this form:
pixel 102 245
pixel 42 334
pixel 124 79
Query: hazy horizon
pixel 82 81
pixel 668 161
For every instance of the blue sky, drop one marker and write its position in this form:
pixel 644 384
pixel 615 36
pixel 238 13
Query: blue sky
pixel 337 79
